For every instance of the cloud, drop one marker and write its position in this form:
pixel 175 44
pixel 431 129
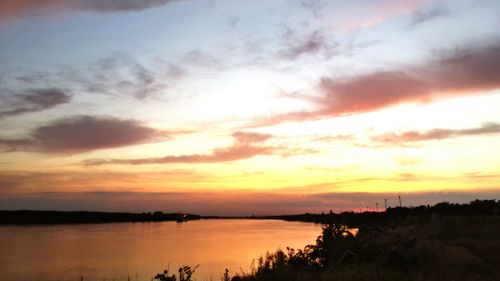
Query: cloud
pixel 15 8
pixel 230 202
pixel 459 72
pixel 463 71
pixel 315 6
pixel 200 58
pixel 246 145
pixel 32 101
pixel 233 153
pixel 424 15
pixel 437 134
pixel 102 190
pixel 371 91
pixel 249 137
pixel 45 181
pixel 117 74
pixel 84 133
pixel 376 14
pixel 334 138
pixel 314 43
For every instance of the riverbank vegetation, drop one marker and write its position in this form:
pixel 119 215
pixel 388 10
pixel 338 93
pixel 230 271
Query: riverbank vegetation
pixel 447 248
pixel 441 242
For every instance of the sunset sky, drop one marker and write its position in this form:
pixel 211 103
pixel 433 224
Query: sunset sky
pixel 232 107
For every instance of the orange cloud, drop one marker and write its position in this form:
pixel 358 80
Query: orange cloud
pixel 246 146
pixel 233 153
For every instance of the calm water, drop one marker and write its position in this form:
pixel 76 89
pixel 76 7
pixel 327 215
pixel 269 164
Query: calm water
pixel 107 251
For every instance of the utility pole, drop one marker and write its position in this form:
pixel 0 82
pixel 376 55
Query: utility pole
pixel 400 205
pixel 376 206
pixel 385 203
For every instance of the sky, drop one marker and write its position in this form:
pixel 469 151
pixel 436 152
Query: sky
pixel 232 107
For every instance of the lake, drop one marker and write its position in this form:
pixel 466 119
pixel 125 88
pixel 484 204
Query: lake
pixel 140 250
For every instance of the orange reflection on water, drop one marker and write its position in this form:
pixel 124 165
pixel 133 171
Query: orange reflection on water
pixel 107 251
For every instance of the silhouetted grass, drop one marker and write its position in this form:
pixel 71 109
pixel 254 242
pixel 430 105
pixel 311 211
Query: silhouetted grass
pixel 417 248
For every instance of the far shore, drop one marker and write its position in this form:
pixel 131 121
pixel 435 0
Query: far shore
pixel 350 219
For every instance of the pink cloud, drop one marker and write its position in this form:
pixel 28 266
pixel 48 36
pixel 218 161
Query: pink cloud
pixel 464 71
pixel 381 12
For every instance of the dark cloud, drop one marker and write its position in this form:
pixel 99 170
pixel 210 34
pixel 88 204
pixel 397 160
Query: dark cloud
pixel 32 101
pixel 118 74
pixel 117 6
pixel 14 8
pixel 84 133
pixel 437 134
pixel 233 21
pixel 463 71
pixel 424 15
pixel 200 58
pixel 175 71
pixel 315 6
pixel 314 43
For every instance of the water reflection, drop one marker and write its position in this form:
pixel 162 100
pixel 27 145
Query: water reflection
pixel 98 251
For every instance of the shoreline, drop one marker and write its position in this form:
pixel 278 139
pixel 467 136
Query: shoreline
pixel 350 219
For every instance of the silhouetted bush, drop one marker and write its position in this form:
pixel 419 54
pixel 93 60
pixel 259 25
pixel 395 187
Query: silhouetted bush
pixel 185 274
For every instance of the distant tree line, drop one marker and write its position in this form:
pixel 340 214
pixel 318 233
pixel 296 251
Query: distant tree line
pixel 59 217
pixel 473 208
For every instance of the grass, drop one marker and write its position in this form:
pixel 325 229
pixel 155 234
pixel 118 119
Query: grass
pixel 416 249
